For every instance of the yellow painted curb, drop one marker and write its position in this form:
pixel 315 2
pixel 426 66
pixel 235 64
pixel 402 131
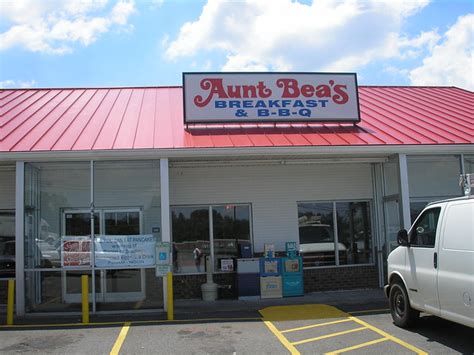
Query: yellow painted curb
pixel 301 312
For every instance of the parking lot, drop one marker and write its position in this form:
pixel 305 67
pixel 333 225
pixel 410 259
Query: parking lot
pixel 304 329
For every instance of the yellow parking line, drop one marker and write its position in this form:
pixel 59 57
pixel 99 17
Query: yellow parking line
pixel 328 336
pixel 315 325
pixel 358 346
pixel 391 337
pixel 120 339
pixel 281 338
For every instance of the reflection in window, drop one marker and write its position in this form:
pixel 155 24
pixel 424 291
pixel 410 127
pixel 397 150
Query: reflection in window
pixel 190 227
pixel 231 231
pixel 317 233
pixel 354 232
pixel 423 233
pixel 415 209
pixel 122 223
pixel 7 244
pixel 191 236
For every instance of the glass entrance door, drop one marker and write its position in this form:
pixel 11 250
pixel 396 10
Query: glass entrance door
pixel 77 227
pixel 111 285
pixel 122 285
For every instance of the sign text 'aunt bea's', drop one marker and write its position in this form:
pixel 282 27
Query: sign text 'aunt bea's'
pixel 270 97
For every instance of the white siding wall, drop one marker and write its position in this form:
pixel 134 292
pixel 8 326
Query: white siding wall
pixel 7 188
pixel 273 191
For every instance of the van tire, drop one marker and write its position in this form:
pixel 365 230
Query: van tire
pixel 402 314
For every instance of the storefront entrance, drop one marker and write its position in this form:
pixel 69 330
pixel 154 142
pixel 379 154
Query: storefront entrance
pixel 111 285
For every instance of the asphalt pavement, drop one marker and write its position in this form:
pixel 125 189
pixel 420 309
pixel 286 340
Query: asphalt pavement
pixel 328 322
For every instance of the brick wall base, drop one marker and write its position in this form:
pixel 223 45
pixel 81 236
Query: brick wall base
pixel 324 279
pixel 341 278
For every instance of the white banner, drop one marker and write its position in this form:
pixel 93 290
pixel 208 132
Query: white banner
pixel 125 250
pixel 270 97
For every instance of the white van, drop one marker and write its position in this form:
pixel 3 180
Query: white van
pixel 432 270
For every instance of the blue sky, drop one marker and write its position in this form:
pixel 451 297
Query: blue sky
pixel 86 43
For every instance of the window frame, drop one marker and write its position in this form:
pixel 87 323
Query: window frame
pixel 211 230
pixel 336 236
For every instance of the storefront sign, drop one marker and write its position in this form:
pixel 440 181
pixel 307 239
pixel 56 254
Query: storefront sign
pixel 125 250
pixel 75 252
pixel 269 250
pixel 227 265
pixel 270 97
pixel 162 270
pixel 162 253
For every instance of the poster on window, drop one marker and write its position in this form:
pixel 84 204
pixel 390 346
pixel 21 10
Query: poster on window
pixel 125 251
pixel 75 252
pixel 227 264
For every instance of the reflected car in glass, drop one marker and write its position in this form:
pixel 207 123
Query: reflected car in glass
pixel 317 245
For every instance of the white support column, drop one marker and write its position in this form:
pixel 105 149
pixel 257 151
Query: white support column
pixel 165 216
pixel 19 238
pixel 404 202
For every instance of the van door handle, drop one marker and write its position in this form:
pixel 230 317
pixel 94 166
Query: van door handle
pixel 435 260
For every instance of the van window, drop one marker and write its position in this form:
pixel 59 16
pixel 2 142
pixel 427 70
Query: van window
pixel 423 233
pixel 459 230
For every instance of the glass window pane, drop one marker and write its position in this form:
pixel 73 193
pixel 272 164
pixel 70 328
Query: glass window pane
pixel 7 244
pixel 354 233
pixel 121 186
pixel 123 280
pixel 316 233
pixel 56 290
pixel 423 233
pixel 122 223
pixel 434 176
pixel 469 164
pixel 79 223
pixel 190 228
pixel 51 191
pixel 415 209
pixel 391 179
pixel 231 231
pixel 127 193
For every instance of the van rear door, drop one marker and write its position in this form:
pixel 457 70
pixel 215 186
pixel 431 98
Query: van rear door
pixel 456 263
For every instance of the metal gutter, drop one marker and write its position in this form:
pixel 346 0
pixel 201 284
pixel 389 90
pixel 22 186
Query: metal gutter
pixel 237 153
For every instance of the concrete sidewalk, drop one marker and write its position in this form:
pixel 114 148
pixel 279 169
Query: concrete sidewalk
pixel 347 300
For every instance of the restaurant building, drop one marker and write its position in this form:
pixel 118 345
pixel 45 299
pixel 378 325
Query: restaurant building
pixel 92 178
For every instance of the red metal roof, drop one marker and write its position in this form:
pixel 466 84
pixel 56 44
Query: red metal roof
pixel 136 118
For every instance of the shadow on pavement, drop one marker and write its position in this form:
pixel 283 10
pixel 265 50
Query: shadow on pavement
pixel 447 333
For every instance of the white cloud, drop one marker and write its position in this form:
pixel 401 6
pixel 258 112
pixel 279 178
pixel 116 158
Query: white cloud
pixel 54 26
pixel 155 4
pixel 450 62
pixel 17 84
pixel 287 35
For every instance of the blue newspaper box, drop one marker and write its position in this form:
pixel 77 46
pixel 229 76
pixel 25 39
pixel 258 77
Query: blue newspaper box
pixel 292 273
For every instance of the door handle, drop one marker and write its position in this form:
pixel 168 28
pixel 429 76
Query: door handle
pixel 435 260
